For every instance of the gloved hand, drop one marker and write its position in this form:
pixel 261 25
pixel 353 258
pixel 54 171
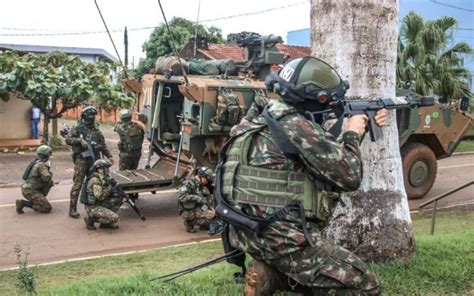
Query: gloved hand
pixel 83 143
pixel 113 182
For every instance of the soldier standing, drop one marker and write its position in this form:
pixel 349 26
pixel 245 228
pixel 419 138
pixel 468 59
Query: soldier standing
pixel 131 139
pixel 100 202
pixel 88 144
pixel 38 180
pixel 195 200
pixel 281 174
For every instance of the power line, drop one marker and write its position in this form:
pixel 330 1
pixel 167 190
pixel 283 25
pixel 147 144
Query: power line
pixel 84 32
pixel 452 6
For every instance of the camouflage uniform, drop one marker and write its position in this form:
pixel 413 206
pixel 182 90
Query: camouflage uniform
pixel 36 187
pixel 130 144
pixel 102 205
pixel 91 134
pixel 194 203
pixel 283 244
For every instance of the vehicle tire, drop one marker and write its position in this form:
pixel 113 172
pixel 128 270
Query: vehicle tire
pixel 419 169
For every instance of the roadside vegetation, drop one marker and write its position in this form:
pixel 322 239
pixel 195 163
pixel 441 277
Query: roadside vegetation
pixel 442 265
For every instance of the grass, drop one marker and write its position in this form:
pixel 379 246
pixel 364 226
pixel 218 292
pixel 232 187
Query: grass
pixel 442 265
pixel 465 146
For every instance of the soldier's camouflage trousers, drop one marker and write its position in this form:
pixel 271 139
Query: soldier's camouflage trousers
pixel 129 160
pixel 326 268
pixel 198 216
pixel 80 171
pixel 39 201
pixel 101 214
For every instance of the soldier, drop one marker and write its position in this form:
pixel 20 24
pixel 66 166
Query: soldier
pixel 131 140
pixel 88 144
pixel 281 174
pixel 38 180
pixel 100 202
pixel 195 199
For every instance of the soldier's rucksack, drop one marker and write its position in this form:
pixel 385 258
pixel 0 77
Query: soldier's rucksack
pixel 229 111
pixel 134 137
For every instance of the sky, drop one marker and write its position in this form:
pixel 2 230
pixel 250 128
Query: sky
pixel 69 22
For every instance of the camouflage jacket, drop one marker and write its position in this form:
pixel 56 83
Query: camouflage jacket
pixel 192 195
pixel 338 163
pixel 90 134
pixel 39 177
pixel 97 187
pixel 131 136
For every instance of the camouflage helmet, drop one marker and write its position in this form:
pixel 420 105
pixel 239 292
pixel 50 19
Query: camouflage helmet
pixel 44 151
pixel 205 172
pixel 100 163
pixel 307 78
pixel 125 114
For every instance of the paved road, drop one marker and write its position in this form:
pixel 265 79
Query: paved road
pixel 56 237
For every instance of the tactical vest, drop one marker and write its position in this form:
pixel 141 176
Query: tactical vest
pixel 91 135
pixel 87 196
pixel 132 140
pixel 33 179
pixel 244 184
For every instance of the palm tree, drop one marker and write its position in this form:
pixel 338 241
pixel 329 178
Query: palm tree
pixel 426 56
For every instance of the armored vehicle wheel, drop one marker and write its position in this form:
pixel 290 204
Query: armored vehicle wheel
pixel 419 169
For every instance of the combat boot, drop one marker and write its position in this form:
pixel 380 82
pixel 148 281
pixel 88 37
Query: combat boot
pixel 189 227
pixel 109 226
pixel 89 223
pixel 19 206
pixel 73 211
pixel 261 279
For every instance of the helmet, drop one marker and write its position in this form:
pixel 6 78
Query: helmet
pixel 307 78
pixel 100 163
pixel 125 114
pixel 88 114
pixel 205 172
pixel 44 151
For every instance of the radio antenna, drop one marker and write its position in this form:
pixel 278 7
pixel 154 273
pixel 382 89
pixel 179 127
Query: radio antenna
pixel 110 36
pixel 173 45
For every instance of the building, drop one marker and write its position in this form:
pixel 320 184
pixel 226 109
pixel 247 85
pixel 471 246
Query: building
pixel 210 51
pixel 91 55
pixel 15 113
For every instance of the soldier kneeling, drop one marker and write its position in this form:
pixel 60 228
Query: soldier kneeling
pixel 99 199
pixel 195 199
pixel 38 180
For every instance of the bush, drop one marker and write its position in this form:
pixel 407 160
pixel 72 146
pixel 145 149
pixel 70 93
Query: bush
pixel 25 279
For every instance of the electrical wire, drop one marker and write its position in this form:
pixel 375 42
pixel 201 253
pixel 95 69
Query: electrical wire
pixel 84 32
pixel 451 6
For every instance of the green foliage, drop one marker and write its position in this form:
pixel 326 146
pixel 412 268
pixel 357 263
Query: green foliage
pixel 55 142
pixel 160 44
pixel 47 79
pixel 25 279
pixel 425 55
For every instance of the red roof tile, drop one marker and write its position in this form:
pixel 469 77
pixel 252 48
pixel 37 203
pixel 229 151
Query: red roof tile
pixel 235 52
pixel 294 51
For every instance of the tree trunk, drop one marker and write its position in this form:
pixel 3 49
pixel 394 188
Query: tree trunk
pixel 359 38
pixel 45 129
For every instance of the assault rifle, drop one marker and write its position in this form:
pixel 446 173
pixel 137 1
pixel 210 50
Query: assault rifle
pixel 348 108
pixel 118 191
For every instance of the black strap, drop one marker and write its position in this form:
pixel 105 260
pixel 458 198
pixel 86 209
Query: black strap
pixel 27 172
pixel 281 138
